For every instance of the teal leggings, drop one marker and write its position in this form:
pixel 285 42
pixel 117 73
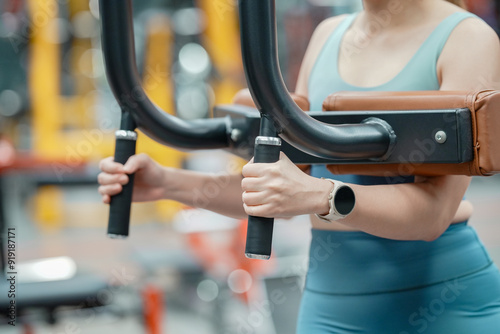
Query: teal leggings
pixel 358 283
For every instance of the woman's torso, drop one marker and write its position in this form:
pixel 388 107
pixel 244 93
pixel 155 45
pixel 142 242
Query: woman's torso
pixel 338 67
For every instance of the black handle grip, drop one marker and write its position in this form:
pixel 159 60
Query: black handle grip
pixel 260 229
pixel 119 207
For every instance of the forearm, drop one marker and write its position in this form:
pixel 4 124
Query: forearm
pixel 412 211
pixel 219 193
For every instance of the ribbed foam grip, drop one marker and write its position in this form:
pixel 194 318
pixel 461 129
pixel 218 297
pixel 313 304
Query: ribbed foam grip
pixel 260 229
pixel 119 207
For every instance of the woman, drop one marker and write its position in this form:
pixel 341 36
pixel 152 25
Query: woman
pixel 405 260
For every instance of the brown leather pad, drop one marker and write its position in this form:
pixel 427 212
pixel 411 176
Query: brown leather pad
pixel 485 111
pixel 244 97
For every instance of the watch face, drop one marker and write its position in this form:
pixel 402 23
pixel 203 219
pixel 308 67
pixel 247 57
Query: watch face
pixel 344 200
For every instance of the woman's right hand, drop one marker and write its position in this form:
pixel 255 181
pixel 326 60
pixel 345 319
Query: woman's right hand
pixel 149 181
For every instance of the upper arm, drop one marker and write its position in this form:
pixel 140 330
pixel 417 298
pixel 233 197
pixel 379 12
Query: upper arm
pixel 471 58
pixel 318 39
pixel 470 61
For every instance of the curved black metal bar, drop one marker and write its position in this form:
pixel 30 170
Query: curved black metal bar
pixel 123 78
pixel 258 41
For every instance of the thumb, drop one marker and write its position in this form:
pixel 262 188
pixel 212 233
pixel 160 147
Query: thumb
pixel 134 163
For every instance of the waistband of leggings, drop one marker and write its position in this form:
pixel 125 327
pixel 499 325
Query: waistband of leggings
pixel 343 262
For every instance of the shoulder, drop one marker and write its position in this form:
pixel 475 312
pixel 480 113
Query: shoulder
pixel 473 29
pixel 318 39
pixel 321 34
pixel 329 24
pixel 474 48
pixel 471 26
pixel 324 30
pixel 470 35
pixel 473 36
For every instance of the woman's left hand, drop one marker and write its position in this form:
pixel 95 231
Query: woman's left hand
pixel 282 190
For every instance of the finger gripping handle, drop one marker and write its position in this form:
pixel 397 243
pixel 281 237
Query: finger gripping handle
pixel 260 229
pixel 119 206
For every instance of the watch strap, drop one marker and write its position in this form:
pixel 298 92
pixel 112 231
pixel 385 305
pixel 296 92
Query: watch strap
pixel 333 214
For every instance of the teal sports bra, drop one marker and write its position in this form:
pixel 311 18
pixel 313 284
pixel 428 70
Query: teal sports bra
pixel 419 74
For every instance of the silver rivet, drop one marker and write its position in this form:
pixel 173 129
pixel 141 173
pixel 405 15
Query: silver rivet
pixel 440 137
pixel 236 135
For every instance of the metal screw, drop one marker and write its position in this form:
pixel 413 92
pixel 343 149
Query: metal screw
pixel 236 135
pixel 441 137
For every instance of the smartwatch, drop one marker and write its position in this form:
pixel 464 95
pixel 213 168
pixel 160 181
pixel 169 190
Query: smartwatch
pixel 341 201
